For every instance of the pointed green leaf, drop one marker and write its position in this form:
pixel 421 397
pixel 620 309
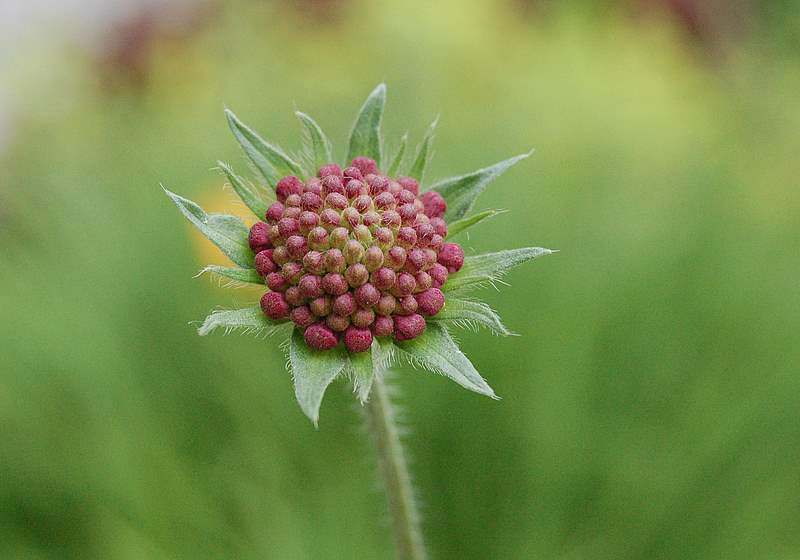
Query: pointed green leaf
pixel 463 224
pixel 424 153
pixel 461 192
pixel 319 145
pixel 479 270
pixel 245 275
pixel 365 138
pixel 313 371
pixel 269 159
pixel 249 319
pixel 436 351
pixel 467 313
pixel 398 157
pixel 364 366
pixel 227 232
pixel 250 195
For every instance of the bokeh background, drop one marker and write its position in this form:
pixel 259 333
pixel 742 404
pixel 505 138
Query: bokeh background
pixel 650 408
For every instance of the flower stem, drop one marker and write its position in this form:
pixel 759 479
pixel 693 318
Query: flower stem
pixel 393 467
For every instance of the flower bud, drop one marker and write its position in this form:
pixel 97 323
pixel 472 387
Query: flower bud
pixel 334 261
pixel 297 246
pixel 356 275
pixel 264 262
pixel 291 272
pixel 406 237
pixel 321 306
pixel 336 200
pixel 337 323
pixel 311 201
pixel 405 197
pixel 362 234
pixel 407 327
pixel 435 205
pixel 451 256
pixel 409 184
pixel 424 281
pixel 355 188
pixel 384 237
pixel 417 260
pixel 353 251
pixel 406 305
pixel 373 258
pixel 276 282
pixel 275 235
pixel 386 304
pixel 308 221
pixel 280 255
pixel 351 217
pixel 294 296
pixel 274 305
pixel 314 262
pixel 439 226
pixel 384 278
pixel 385 201
pixel 339 237
pixel 383 326
pixel 334 284
pixel 288 186
pixel 292 201
pixel 313 185
pixel 357 339
pixel 363 317
pixel 318 239
pixel 405 284
pixel 425 233
pixel 329 169
pixel 310 286
pixel 378 184
pixel 302 316
pixel 365 165
pixel 344 304
pixel 391 219
pixel 274 212
pixel 438 275
pixel 371 219
pixel 430 258
pixel 430 301
pixel 287 227
pixel 332 184
pixel 396 257
pixel 408 213
pixel 258 238
pixel 330 218
pixel 353 173
pixel 367 295
pixel 436 242
pixel 320 337
pixel 292 211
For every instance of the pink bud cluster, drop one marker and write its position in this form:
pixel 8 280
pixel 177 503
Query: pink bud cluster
pixel 353 254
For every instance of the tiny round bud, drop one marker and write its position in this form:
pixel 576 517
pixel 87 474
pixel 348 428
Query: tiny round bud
pixel 259 237
pixel 355 188
pixel 362 234
pixel 332 184
pixel 314 262
pixel 264 262
pixel 430 258
pixel 276 282
pixel 280 255
pixel 407 327
pixel 292 212
pixel 367 295
pixel 378 184
pixel 383 326
pixel 320 337
pixel 363 317
pixel 394 187
pixel 435 205
pixel 384 278
pixel 384 237
pixel 275 235
pixel 334 284
pixel 351 216
pixel 371 218
pixel 334 261
pixel 274 305
pixel 302 316
pixel 353 251
pixel 330 218
pixel 405 197
pixel 308 221
pixel 297 246
pixel 288 186
pixel 356 275
pixel 353 173
pixel 436 242
pixel 318 238
pixel 439 226
pixel 292 272
pixel 294 296
pixel 385 201
pixel 373 258
pixel 311 201
pixel 408 213
pixel 357 339
pixel 344 304
pixel 329 169
pixel 310 285
pixel 451 256
pixel 321 306
pixel 416 258
pixel 336 201
pixel 313 185
pixel 406 237
pixel 438 275
pixel 424 281
pixel 409 184
pixel 339 237
pixel 288 226
pixel 406 305
pixel 391 219
pixel 337 322
pixel 274 212
pixel 292 201
pixel 405 284
pixel 430 301
pixel 386 304
pixel 425 233
pixel 365 165
pixel 396 257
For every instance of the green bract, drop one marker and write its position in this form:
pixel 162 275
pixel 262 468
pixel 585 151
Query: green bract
pixel 435 350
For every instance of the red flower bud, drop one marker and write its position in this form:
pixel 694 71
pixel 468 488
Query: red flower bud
pixel 407 327
pixel 384 278
pixel 430 301
pixel 409 184
pixel 274 212
pixel 357 339
pixel 337 323
pixel 451 256
pixel 321 306
pixel 406 305
pixel 274 305
pixel 302 316
pixel 365 165
pixel 310 285
pixel 330 169
pixel 438 275
pixel 264 262
pixel 352 173
pixel 259 239
pixel 363 317
pixel 383 326
pixel 356 274
pixel 386 305
pixel 334 284
pixel 367 295
pixel 320 337
pixel 288 186
pixel 344 304
pixel 435 205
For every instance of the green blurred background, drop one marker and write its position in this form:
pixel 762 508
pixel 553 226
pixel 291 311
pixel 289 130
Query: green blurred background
pixel 650 408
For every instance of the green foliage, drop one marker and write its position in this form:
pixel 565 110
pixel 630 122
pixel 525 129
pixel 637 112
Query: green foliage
pixel 252 196
pixel 317 145
pixel 365 136
pixel 397 160
pixel 424 153
pixel 270 160
pixel 312 372
pixel 245 275
pixel 227 232
pixel 469 313
pixel 460 226
pixel 364 366
pixel 462 191
pixel 479 270
pixel 250 320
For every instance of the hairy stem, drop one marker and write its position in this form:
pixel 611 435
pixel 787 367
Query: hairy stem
pixel 393 467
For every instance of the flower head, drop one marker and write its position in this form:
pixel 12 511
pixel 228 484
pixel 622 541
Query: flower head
pixel 358 261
